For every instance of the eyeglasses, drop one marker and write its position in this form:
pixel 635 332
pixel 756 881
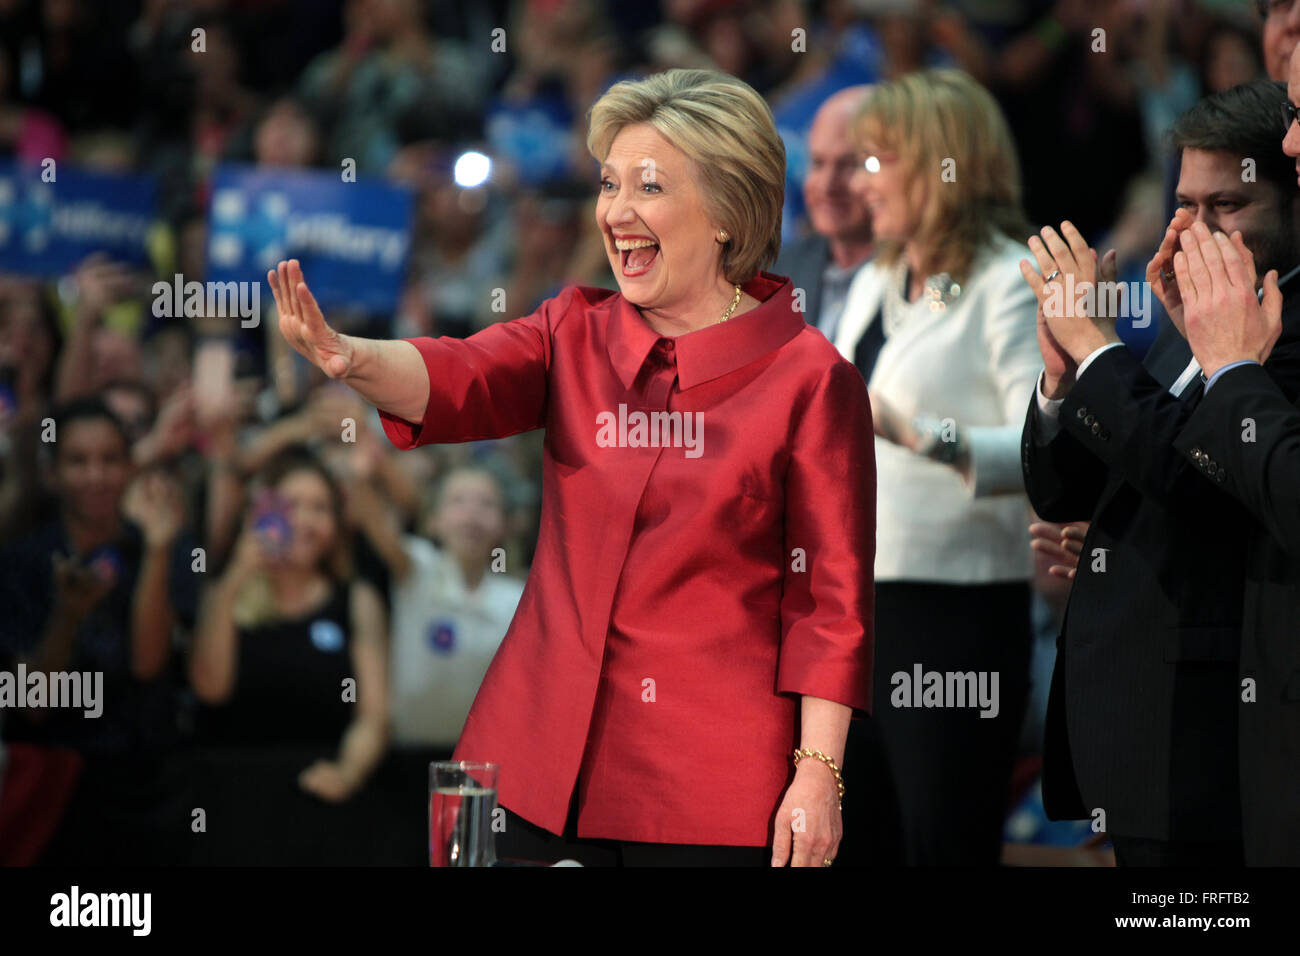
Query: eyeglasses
pixel 1289 113
pixel 1269 7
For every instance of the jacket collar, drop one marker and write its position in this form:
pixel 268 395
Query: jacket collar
pixel 714 350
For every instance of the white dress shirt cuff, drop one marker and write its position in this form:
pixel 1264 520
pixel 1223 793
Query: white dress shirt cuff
pixel 1047 423
pixel 1083 366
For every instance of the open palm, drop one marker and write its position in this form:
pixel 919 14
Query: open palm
pixel 302 324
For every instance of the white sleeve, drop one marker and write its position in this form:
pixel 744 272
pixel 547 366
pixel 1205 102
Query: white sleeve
pixel 1048 422
pixel 1009 329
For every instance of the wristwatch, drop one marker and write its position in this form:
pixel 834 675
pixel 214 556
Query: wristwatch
pixel 938 439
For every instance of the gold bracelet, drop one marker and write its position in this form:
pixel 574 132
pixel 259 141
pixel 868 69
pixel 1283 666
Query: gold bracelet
pixel 830 762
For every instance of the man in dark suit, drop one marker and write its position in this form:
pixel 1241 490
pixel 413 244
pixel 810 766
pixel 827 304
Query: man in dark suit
pixel 1244 437
pixel 1142 719
pixel 823 263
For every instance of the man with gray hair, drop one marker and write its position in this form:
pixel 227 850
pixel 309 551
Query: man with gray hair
pixel 823 263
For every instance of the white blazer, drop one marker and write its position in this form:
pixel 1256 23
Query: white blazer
pixel 976 362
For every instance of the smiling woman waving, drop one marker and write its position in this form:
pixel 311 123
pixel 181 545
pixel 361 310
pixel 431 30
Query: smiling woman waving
pixel 695 635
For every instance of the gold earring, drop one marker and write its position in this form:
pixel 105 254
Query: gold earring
pixel 723 237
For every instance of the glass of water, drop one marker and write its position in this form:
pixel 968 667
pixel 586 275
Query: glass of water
pixel 462 796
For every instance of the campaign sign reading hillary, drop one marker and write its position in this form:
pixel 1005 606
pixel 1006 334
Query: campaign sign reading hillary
pixel 53 216
pixel 352 238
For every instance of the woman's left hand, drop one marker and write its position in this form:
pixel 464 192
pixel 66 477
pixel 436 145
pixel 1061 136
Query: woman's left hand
pixel 890 424
pixel 809 818
pixel 327 780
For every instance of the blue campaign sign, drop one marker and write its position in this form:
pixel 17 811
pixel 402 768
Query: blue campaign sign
pixel 353 238
pixel 47 227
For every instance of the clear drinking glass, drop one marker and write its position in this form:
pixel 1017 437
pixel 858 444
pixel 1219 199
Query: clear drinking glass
pixel 462 796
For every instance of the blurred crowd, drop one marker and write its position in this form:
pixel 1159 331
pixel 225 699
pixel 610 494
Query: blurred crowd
pixel 209 531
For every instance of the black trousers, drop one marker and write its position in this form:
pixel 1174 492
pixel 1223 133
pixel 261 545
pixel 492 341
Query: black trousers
pixel 949 767
pixel 526 842
pixel 873 835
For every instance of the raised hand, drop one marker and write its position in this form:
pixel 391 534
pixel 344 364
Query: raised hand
pixel 303 325
pixel 173 430
pixel 1065 339
pixel 154 502
pixel 1160 270
pixel 1058 367
pixel 1225 320
pixel 101 282
pixel 1078 331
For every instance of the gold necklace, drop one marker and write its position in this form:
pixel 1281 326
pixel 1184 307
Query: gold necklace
pixel 731 308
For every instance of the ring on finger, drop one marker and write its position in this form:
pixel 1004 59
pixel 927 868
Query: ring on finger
pixel 1053 275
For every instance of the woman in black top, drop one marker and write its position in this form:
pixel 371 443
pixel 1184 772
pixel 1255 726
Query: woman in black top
pixel 290 661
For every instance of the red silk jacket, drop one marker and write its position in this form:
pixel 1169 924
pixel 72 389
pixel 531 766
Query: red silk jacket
pixel 693 576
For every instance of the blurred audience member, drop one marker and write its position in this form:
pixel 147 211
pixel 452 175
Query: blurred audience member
pixel 451 607
pixel 29 134
pixel 29 346
pixel 286 136
pixel 391 83
pixel 942 328
pixel 290 659
pixel 1281 34
pixel 99 590
pixel 825 262
pixel 460 248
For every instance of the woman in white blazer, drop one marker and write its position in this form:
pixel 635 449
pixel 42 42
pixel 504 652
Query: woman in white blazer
pixel 942 326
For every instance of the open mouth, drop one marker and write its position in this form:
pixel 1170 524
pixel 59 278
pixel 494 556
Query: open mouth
pixel 638 256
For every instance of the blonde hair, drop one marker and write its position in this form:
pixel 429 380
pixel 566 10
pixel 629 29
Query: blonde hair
pixel 727 132
pixel 928 118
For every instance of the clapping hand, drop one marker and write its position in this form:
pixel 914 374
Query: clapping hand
pixel 1062 543
pixel 1072 330
pixel 1225 319
pixel 1160 270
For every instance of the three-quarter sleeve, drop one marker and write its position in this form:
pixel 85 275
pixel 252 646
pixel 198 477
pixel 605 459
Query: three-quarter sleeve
pixel 830 504
pixel 489 385
pixel 1014 361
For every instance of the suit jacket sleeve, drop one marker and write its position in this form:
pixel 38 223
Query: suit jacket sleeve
pixel 1120 414
pixel 1127 419
pixel 1245 436
pixel 489 385
pixel 830 498
pixel 1063 479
